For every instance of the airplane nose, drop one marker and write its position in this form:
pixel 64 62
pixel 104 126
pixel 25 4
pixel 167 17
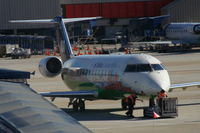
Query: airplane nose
pixel 159 85
pixel 160 82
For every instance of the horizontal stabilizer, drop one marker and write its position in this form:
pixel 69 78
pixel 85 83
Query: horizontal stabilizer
pixel 49 21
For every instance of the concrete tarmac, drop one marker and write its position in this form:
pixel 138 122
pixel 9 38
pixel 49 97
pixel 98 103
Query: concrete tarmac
pixel 104 116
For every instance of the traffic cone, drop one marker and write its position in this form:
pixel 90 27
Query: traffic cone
pixel 155 115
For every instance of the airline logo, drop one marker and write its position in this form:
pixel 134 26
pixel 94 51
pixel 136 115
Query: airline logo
pixel 196 29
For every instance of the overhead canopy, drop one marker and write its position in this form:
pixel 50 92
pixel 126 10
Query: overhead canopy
pixel 23 110
pixel 14 74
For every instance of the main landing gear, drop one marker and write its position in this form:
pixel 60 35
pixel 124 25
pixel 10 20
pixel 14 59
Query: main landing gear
pixel 78 104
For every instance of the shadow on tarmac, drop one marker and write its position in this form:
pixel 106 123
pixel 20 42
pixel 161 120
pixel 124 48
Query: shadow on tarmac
pixel 177 53
pixel 108 114
pixel 101 114
pixel 189 104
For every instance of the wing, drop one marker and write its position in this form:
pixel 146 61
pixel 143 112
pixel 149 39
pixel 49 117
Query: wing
pixel 184 85
pixel 154 42
pixel 23 110
pixel 161 42
pixel 71 94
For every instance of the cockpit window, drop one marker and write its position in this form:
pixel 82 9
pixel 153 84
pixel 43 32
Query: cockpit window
pixel 138 68
pixel 131 68
pixel 157 67
pixel 144 68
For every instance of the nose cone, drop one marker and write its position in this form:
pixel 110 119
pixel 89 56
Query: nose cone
pixel 160 81
pixel 159 85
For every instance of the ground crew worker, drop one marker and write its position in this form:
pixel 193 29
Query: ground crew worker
pixel 161 95
pixel 131 103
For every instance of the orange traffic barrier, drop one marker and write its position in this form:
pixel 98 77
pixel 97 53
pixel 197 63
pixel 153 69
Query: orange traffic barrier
pixel 97 52
pixel 47 52
pixel 88 48
pixel 75 48
pixel 79 53
pixel 89 52
pixel 126 51
pixel 54 53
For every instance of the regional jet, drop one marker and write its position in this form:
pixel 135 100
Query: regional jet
pixel 184 33
pixel 111 77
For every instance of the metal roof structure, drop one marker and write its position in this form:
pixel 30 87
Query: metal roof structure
pixel 23 110
pixel 14 74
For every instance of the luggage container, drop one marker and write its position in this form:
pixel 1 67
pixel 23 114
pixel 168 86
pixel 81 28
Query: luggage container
pixel 166 107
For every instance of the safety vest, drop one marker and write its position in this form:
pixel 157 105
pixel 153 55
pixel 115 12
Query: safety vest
pixel 162 95
pixel 131 97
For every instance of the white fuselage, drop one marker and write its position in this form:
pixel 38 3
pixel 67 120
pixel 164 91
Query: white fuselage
pixel 139 73
pixel 184 32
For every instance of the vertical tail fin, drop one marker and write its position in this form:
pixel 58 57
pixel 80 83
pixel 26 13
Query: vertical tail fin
pixel 65 49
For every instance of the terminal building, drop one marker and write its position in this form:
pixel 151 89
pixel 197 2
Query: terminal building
pixel 119 16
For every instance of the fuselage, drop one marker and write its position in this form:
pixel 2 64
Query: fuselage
pixel 114 76
pixel 185 32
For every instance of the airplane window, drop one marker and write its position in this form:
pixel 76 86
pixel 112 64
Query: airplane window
pixel 131 68
pixel 138 68
pixel 157 67
pixel 144 68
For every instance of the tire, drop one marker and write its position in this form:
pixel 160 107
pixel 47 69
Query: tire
pixel 75 106
pixel 81 105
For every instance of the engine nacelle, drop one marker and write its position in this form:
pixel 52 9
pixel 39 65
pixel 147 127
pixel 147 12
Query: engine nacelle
pixel 196 29
pixel 50 66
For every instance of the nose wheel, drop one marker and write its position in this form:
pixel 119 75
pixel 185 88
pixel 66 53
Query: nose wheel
pixel 79 105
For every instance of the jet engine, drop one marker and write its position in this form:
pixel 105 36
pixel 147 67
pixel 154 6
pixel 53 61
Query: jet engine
pixel 196 29
pixel 50 66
